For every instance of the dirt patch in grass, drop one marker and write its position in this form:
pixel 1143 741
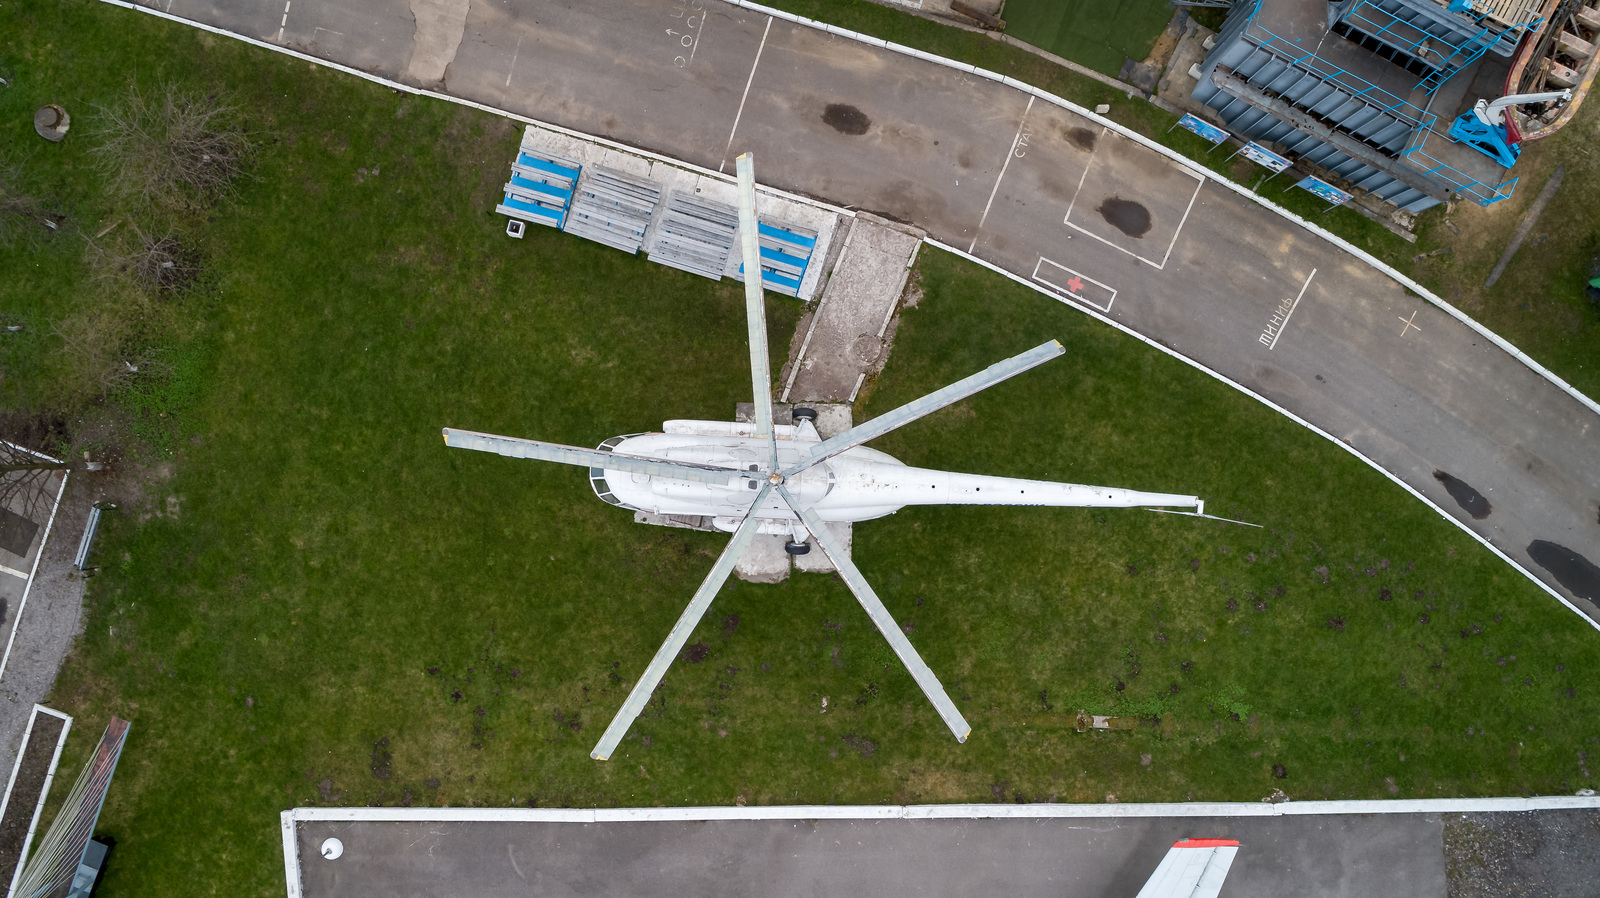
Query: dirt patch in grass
pixel 863 746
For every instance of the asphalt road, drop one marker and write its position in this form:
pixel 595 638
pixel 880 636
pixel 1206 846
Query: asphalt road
pixel 1035 189
pixel 1326 856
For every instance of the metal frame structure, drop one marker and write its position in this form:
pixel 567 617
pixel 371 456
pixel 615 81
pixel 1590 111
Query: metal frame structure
pixel 49 872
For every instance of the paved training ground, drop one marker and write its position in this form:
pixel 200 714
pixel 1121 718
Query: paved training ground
pixel 1354 849
pixel 1047 194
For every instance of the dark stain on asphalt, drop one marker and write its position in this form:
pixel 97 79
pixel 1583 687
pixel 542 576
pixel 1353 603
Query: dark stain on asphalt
pixel 1082 138
pixel 846 119
pixel 1471 501
pixel 1575 572
pixel 1127 216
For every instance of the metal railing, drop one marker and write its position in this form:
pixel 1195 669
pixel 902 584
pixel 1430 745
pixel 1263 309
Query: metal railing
pixel 1481 192
pixel 1300 58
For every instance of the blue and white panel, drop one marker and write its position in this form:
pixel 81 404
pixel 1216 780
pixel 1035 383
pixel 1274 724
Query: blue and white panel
pixel 540 189
pixel 786 251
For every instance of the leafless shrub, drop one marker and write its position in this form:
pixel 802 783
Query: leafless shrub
pixel 172 149
pixel 98 344
pixel 22 215
pixel 154 263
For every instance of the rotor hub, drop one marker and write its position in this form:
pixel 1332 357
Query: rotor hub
pixel 775 478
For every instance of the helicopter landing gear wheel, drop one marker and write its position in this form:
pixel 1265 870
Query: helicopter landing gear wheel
pixel 794 548
pixel 803 414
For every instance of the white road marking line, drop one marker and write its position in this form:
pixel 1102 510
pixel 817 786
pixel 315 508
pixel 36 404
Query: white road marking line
pixel 1201 183
pixel 514 60
pixel 1071 289
pixel 1280 317
pixel 284 21
pixel 702 27
pixel 746 95
pixel 1159 266
pixel 1007 164
pixel 12 571
pixel 1409 325
pixel 1083 177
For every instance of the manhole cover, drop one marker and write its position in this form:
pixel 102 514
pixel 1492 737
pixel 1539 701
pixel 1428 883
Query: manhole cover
pixel 51 122
pixel 867 349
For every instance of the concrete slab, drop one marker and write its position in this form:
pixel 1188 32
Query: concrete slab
pixel 844 342
pixel 1177 85
pixel 765 561
pixel 816 561
pixel 1062 858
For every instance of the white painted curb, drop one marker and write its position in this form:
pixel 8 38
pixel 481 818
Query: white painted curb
pixel 937 811
pixel 1050 98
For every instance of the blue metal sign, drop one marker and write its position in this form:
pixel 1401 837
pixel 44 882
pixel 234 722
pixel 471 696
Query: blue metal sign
pixel 1264 157
pixel 1203 128
pixel 1324 190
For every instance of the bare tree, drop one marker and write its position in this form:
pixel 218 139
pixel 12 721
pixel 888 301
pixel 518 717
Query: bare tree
pixel 25 479
pixel 155 264
pixel 174 149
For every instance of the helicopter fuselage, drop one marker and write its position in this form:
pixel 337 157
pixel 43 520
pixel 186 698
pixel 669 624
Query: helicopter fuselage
pixel 859 484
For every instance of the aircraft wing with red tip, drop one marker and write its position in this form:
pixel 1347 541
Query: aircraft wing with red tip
pixel 1193 868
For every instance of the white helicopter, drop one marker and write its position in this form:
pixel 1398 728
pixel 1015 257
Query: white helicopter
pixel 751 478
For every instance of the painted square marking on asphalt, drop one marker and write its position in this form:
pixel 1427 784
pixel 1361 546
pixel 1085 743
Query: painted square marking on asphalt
pixel 1133 201
pixel 1070 283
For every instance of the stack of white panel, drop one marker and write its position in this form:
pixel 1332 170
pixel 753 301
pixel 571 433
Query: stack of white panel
pixel 612 207
pixel 695 235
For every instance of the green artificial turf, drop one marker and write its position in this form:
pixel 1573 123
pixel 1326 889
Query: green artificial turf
pixel 1096 33
pixel 320 604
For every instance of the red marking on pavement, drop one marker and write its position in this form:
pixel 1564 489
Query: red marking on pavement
pixel 1075 285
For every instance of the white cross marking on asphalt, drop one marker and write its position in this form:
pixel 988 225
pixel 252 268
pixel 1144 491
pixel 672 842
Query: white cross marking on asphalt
pixel 1409 325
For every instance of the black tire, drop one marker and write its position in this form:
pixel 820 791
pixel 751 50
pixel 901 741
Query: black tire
pixel 803 414
pixel 794 548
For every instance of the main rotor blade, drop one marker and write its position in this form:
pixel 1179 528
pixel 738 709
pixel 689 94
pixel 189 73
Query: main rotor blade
pixel 515 447
pixel 917 408
pixel 755 306
pixel 920 671
pixel 642 690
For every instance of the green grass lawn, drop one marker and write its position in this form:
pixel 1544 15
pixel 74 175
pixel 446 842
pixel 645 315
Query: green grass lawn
pixel 324 605
pixel 1096 33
